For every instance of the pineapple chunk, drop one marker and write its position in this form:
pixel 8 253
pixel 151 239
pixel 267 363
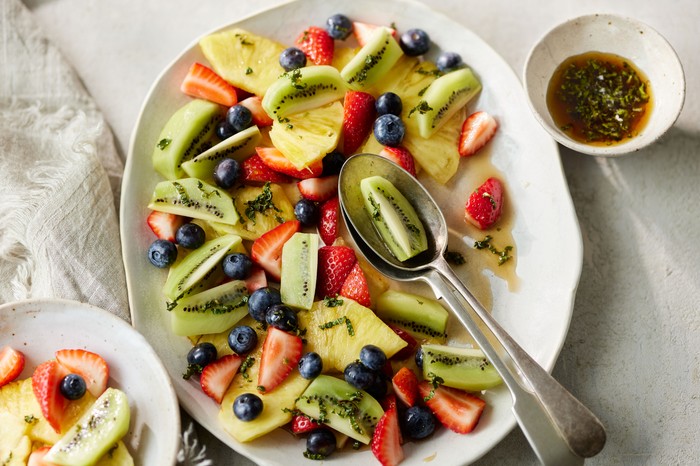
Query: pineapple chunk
pixel 15 445
pixel 342 56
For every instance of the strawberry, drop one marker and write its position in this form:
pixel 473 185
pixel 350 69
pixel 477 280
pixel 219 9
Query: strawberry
pixel 278 162
pixel 386 441
pixel 256 172
pixel 302 424
pixel 317 44
pixel 405 385
pixel 388 402
pixel 164 225
pixel 411 344
pixel 484 205
pixel 477 130
pixel 362 31
pixel 355 286
pixel 280 355
pixel 328 220
pixel 267 249
pixel 457 410
pixel 358 117
pixel 401 157
pixel 217 376
pixel 11 364
pixel 37 457
pixel 202 82
pixel 319 189
pixel 334 265
pixel 260 117
pixel 88 365
pixel 256 280
pixel 46 381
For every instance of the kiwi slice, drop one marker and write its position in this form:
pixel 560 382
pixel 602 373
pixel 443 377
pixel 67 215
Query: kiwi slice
pixel 373 61
pixel 463 368
pixel 418 314
pixel 443 98
pixel 299 268
pixel 188 133
pixel 303 89
pixel 211 311
pixel 394 218
pixel 339 405
pixel 237 147
pixel 192 197
pixel 95 433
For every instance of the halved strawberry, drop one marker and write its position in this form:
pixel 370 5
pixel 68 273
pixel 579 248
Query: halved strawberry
pixel 256 280
pixel 317 44
pixel 202 82
pixel 457 410
pixel 328 220
pixel 267 250
pixel 302 424
pixel 386 441
pixel 358 117
pixel 401 157
pixel 260 117
pixel 477 130
pixel 388 402
pixel 355 286
pixel 90 366
pixel 46 381
pixel 280 355
pixel 278 162
pixel 256 172
pixel 319 189
pixel 485 204
pixel 11 364
pixel 362 31
pixel 217 376
pixel 164 225
pixel 37 457
pixel 407 351
pixel 405 385
pixel 334 265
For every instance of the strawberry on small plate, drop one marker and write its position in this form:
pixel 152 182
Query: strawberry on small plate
pixel 46 381
pixel 90 366
pixel 11 364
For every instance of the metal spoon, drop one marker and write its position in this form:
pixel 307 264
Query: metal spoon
pixel 559 428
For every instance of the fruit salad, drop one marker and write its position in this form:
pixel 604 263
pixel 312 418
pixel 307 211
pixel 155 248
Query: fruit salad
pixel 290 327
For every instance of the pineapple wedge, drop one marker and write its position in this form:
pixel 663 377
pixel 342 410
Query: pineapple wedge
pixel 15 445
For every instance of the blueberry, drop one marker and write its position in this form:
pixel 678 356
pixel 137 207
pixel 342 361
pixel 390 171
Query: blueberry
pixel 339 27
pixel 239 117
pixel 389 130
pixel 417 422
pixel 162 253
pixel 359 376
pixel 224 130
pixel 73 387
pixel 190 236
pixel 449 61
pixel 388 103
pixel 237 266
pixel 227 173
pixel 202 354
pixel 419 358
pixel 378 387
pixel 310 365
pixel 306 212
pixel 292 58
pixel 373 357
pixel 283 317
pixel 261 300
pixel 242 339
pixel 332 163
pixel 414 42
pixel 247 407
pixel 320 442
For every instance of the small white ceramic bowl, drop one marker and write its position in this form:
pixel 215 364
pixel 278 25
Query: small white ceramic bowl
pixel 626 37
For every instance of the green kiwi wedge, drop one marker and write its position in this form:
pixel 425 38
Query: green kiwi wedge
pixel 299 269
pixel 373 61
pixel 192 197
pixel 237 147
pixel 211 311
pixel 463 368
pixel 422 316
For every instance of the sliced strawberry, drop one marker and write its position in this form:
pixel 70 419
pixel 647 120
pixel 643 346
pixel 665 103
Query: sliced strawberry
pixel 319 189
pixel 302 424
pixel 202 82
pixel 405 385
pixel 256 280
pixel 164 225
pixel 256 172
pixel 457 410
pixel 278 162
pixel 334 265
pixel 477 130
pixel 11 364
pixel 362 31
pixel 358 117
pixel 280 355
pixel 260 117
pixel 401 157
pixel 388 402
pixel 328 220
pixel 355 286
pixel 88 365
pixel 37 457
pixel 267 250
pixel 410 349
pixel 386 441
pixel 484 205
pixel 317 44
pixel 217 376
pixel 46 381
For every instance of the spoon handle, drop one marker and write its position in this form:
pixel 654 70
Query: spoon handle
pixel 570 419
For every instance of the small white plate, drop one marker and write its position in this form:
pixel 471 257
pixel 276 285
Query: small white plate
pixel 38 328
